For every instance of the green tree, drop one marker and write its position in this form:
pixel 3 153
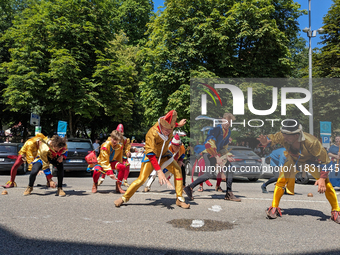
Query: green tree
pixel 326 64
pixel 67 61
pixel 218 38
pixel 133 17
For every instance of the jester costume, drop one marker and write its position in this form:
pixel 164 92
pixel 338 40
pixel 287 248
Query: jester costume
pixel 157 157
pixel 311 150
pixel 27 153
pixel 47 156
pixel 215 144
pixel 126 154
pixel 178 157
pixel 109 159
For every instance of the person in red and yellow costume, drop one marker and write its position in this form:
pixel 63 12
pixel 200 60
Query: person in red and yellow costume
pixel 27 153
pixel 178 151
pixel 109 159
pixel 53 151
pixel 157 157
pixel 126 154
pixel 303 152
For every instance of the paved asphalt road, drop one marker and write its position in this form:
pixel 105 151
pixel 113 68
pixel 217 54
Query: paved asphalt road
pixel 151 223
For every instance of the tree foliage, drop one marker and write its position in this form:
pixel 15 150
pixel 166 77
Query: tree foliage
pixel 217 38
pixel 68 58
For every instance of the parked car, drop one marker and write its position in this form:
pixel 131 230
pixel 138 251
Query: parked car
pixel 137 153
pixel 8 155
pixel 247 163
pixel 78 148
pixel 268 172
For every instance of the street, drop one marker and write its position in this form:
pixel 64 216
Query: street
pixel 151 223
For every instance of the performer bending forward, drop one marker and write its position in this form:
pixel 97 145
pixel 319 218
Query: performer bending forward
pixel 50 152
pixel 216 144
pixel 109 159
pixel 301 149
pixel 27 153
pixel 157 156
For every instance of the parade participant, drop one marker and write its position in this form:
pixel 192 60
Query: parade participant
pixel 334 153
pixel 126 154
pixel 27 153
pixel 157 157
pixel 178 152
pixel 109 159
pixel 214 147
pixel 301 148
pixel 53 151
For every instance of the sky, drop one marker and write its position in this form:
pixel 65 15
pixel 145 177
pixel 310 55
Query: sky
pixel 319 9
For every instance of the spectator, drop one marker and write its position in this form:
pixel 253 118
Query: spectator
pixel 7 140
pixel 257 150
pixel 96 146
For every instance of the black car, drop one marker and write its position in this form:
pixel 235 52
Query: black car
pixel 78 148
pixel 8 155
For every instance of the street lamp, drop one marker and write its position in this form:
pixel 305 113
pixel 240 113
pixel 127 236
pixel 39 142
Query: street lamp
pixel 311 33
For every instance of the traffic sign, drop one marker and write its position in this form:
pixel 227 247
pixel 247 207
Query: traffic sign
pixel 35 119
pixel 62 127
pixel 325 128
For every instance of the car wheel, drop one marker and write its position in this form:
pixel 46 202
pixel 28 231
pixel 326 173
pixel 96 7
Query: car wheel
pixel 54 171
pixel 188 168
pixel 252 179
pixel 300 180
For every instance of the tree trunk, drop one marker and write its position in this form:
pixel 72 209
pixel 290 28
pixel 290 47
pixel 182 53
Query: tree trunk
pixel 71 123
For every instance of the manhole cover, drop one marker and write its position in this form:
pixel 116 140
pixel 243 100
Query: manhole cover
pixel 201 225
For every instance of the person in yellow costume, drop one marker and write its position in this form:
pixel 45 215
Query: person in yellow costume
pixel 303 152
pixel 27 153
pixel 109 159
pixel 126 154
pixel 157 157
pixel 178 151
pixel 50 152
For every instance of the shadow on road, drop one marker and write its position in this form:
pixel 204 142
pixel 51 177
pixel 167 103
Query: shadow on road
pixel 304 212
pixel 12 243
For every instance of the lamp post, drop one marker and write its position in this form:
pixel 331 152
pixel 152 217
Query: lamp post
pixel 311 33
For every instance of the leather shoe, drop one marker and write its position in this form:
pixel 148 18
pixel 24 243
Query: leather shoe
pixel 60 192
pixel 10 184
pixel 182 204
pixel 188 191
pixel 335 217
pixel 28 191
pixel 273 212
pixel 118 202
pixel 94 188
pixel 231 197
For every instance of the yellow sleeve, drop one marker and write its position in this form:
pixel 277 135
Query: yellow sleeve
pixel 127 146
pixel 276 138
pixel 104 156
pixel 318 151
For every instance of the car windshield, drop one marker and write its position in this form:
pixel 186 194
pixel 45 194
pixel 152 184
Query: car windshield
pixel 243 153
pixel 79 145
pixel 8 149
